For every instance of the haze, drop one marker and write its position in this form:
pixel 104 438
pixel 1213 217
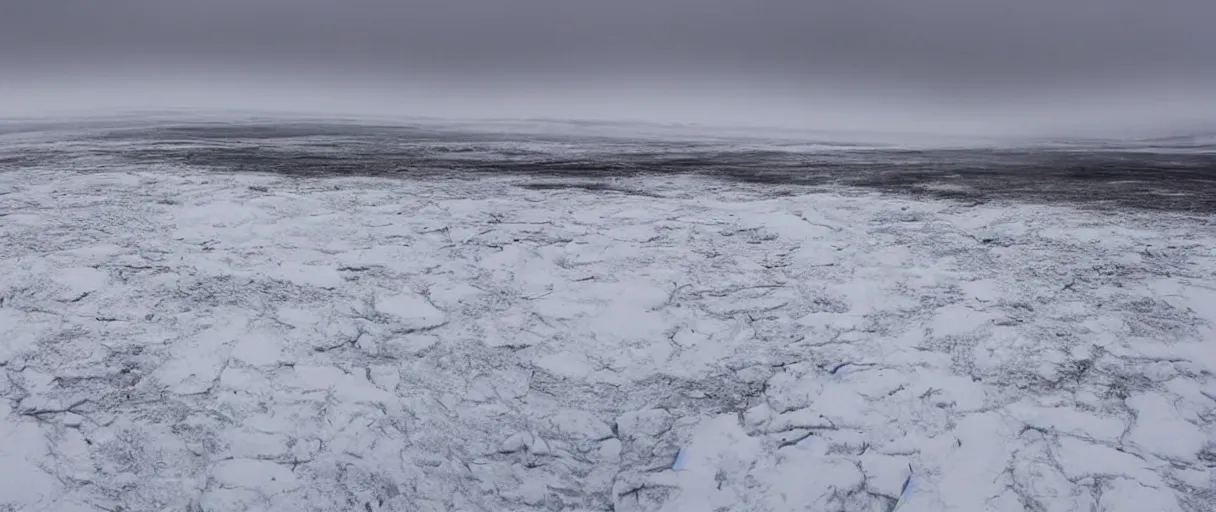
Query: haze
pixel 1100 67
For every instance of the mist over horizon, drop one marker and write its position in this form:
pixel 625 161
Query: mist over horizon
pixel 1119 68
pixel 844 111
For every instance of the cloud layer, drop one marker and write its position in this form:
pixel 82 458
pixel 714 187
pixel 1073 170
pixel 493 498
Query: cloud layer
pixel 751 62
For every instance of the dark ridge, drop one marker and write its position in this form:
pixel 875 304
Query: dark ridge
pixel 592 186
pixel 1096 176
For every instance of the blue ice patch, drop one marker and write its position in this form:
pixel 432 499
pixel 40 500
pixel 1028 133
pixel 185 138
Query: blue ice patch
pixel 908 489
pixel 681 460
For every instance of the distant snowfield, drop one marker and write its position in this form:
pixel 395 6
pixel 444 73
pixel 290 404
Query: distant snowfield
pixel 178 340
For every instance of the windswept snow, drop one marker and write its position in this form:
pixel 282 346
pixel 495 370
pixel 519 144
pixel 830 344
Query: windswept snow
pixel 179 340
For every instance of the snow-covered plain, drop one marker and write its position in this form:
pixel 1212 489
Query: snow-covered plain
pixel 174 339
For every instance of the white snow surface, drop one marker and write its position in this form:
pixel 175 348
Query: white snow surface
pixel 179 340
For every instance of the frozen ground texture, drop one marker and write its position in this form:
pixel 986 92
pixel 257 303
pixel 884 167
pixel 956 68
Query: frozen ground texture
pixel 172 339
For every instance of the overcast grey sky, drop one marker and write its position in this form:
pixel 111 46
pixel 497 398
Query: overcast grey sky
pixel 761 61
